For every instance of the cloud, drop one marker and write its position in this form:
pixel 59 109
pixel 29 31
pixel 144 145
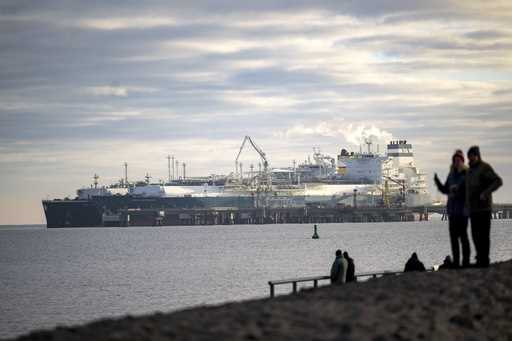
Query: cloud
pixel 107 91
pixel 359 134
pixel 127 23
pixel 485 35
pixel 195 75
pixel 117 91
pixel 354 134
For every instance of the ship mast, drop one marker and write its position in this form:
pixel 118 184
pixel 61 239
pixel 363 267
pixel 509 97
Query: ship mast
pixel 369 144
pixel 126 174
pixel 172 158
pixel 96 177
pixel 169 168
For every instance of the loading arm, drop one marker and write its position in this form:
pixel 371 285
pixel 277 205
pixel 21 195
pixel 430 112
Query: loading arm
pixel 258 150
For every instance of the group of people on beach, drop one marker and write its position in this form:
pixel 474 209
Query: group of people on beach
pixel 469 191
pixel 343 268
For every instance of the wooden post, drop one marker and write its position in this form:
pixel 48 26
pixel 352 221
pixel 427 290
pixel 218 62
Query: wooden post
pixel 294 287
pixel 271 289
pixel 315 283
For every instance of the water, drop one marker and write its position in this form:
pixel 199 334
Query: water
pixel 69 276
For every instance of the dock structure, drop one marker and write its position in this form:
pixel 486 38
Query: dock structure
pixel 261 215
pixel 282 215
pixel 499 211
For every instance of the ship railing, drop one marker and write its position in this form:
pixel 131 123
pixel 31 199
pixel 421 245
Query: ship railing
pixel 316 279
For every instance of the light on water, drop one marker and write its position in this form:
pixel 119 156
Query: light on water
pixel 70 276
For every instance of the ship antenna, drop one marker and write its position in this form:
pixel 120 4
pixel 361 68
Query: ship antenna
pixel 369 144
pixel 184 167
pixel 169 167
pixel 172 158
pixel 147 178
pixel 126 174
pixel 96 177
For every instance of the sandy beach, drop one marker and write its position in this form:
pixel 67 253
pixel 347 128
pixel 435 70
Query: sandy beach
pixel 469 304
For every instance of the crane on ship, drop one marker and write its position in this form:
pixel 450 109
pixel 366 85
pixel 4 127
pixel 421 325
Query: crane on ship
pixel 385 192
pixel 266 176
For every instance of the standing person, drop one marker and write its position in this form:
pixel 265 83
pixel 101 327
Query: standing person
pixel 339 269
pixel 351 268
pixel 481 181
pixel 455 188
pixel 414 264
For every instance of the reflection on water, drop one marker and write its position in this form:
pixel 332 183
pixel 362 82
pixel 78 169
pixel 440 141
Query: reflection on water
pixel 69 276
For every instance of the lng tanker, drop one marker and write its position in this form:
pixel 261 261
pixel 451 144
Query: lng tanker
pixel 391 179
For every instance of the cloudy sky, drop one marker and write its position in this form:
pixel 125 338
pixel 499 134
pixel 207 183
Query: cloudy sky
pixel 89 85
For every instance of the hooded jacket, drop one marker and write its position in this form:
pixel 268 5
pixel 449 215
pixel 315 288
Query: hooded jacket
pixel 455 188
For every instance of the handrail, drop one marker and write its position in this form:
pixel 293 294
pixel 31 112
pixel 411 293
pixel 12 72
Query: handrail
pixel 315 279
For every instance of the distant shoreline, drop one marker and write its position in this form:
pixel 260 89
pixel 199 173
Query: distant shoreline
pixel 451 304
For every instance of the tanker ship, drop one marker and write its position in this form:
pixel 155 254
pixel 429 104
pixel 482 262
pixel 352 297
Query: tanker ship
pixel 378 180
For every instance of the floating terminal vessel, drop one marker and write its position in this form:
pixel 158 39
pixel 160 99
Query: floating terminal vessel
pixel 365 179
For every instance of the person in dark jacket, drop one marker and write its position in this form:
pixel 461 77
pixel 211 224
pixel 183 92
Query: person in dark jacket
pixel 481 181
pixel 414 264
pixel 455 188
pixel 351 268
pixel 339 269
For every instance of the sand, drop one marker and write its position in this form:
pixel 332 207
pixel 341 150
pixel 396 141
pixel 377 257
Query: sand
pixel 469 304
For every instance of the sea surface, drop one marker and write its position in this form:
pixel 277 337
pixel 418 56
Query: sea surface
pixel 51 277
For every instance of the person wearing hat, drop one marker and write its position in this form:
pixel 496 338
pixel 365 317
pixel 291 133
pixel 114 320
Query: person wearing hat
pixel 455 188
pixel 481 181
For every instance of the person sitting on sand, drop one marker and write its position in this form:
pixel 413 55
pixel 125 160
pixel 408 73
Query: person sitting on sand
pixel 447 263
pixel 351 268
pixel 339 269
pixel 414 264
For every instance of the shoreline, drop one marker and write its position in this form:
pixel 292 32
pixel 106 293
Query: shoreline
pixel 470 304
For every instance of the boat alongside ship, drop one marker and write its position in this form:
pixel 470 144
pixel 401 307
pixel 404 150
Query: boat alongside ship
pixel 363 180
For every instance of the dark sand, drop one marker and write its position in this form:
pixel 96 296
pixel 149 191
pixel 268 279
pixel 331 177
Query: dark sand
pixel 470 304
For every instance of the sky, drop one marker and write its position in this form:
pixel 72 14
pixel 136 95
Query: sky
pixel 86 86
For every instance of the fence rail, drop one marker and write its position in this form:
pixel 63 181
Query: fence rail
pixel 316 279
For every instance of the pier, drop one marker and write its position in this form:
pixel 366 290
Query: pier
pixel 499 211
pixel 284 215
pixel 241 216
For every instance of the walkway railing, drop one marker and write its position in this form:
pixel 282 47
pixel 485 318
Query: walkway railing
pixel 316 279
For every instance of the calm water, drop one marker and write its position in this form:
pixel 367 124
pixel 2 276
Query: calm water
pixel 68 276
